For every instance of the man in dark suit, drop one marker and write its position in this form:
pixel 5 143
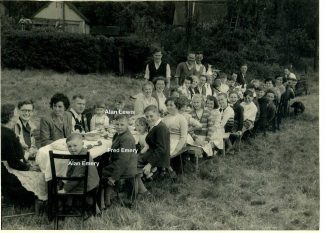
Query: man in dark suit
pixel 241 79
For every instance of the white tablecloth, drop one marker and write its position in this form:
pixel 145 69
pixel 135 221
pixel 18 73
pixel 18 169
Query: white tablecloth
pixel 43 157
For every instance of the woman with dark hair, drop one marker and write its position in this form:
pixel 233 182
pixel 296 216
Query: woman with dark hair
pixel 177 125
pixel 59 123
pixel 15 170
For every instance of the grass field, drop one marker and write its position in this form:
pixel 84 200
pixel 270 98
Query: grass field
pixel 273 184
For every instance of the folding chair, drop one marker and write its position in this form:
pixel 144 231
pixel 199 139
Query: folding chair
pixel 82 195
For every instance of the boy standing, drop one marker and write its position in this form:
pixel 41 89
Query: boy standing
pixel 123 158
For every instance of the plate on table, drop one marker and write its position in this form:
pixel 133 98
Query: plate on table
pixel 92 136
pixel 59 146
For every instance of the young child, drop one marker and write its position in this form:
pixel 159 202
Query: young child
pixel 123 159
pixel 250 111
pixel 119 104
pixel 100 120
pixel 141 127
pixel 75 147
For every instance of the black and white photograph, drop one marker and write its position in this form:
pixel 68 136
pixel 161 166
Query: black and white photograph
pixel 160 115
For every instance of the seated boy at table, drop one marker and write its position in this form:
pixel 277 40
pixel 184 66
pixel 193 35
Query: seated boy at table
pixel 123 158
pixel 75 147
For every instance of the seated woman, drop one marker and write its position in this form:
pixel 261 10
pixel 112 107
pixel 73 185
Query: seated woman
pixel 24 128
pixel 202 136
pixel 177 125
pixel 145 100
pixel 58 124
pixel 212 105
pixel 185 110
pixel 19 181
pixel 160 94
pixel 226 115
pixel 141 127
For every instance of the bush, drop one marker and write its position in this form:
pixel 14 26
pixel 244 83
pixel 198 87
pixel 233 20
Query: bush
pixel 64 52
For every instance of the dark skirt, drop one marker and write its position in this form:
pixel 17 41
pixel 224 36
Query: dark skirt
pixel 13 191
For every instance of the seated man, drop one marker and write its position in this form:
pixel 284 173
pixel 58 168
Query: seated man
pixel 250 111
pixel 158 140
pixel 79 120
pixel 267 111
pixel 24 128
pixel 123 159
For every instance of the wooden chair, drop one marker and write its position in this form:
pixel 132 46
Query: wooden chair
pixel 56 196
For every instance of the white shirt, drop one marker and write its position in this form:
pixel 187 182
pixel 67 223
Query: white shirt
pixel 198 68
pixel 208 89
pixel 147 73
pixel 76 115
pixel 185 91
pixel 250 111
pixel 224 88
pixel 157 122
pixel 225 115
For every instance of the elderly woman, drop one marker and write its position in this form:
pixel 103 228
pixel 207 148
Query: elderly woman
pixel 161 94
pixel 24 128
pixel 177 125
pixel 145 99
pixel 15 170
pixel 58 124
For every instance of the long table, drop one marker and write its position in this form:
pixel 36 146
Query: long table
pixel 43 157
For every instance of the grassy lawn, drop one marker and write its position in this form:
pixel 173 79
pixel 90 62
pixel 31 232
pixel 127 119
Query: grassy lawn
pixel 273 184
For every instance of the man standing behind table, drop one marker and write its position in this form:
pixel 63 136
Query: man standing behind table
pixel 185 69
pixel 157 68
pixel 241 78
pixel 79 120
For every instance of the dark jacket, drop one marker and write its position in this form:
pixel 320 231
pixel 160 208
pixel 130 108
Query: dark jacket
pixel 158 140
pixel 51 130
pixel 241 80
pixel 79 170
pixel 239 115
pixel 80 125
pixel 122 163
pixel 12 151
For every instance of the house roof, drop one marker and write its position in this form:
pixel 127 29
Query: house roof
pixel 69 4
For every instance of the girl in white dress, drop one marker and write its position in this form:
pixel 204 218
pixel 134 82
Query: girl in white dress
pixel 100 120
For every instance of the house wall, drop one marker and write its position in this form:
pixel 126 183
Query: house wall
pixel 54 11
